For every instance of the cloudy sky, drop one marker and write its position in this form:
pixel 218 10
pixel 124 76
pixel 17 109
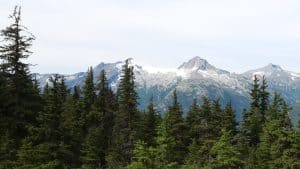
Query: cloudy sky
pixel 235 35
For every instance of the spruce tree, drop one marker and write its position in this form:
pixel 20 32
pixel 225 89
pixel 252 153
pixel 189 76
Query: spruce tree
pixel 193 121
pixel 76 92
pixel 264 97
pixel 125 131
pixel 255 93
pixel 89 94
pixel 71 124
pixel 144 157
pixel 45 147
pixel 228 119
pixel 277 137
pixel 225 154
pixel 177 129
pixel 253 119
pixel 207 130
pixel 216 118
pixel 100 124
pixel 151 120
pixel 166 144
pixel 4 100
pixel 194 160
pixel 24 100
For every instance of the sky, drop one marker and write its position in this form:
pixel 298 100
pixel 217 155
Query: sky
pixel 236 35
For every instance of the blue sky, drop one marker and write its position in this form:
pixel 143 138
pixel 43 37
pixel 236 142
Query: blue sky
pixel 236 35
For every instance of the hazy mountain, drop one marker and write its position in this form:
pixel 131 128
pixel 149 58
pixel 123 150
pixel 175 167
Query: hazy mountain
pixel 193 79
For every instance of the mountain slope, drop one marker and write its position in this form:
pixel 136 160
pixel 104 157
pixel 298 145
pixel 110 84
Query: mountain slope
pixel 193 79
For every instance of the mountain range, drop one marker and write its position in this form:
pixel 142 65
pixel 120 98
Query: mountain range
pixel 194 79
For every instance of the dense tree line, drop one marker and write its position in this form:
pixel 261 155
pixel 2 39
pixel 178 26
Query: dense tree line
pixel 94 127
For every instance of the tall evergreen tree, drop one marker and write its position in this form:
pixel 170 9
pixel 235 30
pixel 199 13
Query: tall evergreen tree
pixel 277 136
pixel 255 93
pixel 151 120
pixel 166 144
pixel 144 157
pixel 100 124
pixel 89 94
pixel 177 129
pixel 76 92
pixel 193 121
pixel 125 131
pixel 264 97
pixel 229 122
pixel 45 147
pixel 216 118
pixel 253 119
pixel 24 102
pixel 226 155
pixel 209 134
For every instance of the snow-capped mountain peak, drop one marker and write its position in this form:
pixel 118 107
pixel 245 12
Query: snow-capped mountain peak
pixel 272 67
pixel 196 63
pixel 192 79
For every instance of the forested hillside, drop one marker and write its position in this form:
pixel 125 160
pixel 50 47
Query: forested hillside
pixel 93 127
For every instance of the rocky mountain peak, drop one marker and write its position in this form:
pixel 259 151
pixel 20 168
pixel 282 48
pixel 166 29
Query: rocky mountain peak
pixel 196 63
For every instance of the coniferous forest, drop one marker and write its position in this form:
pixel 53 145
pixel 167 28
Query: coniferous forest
pixel 94 127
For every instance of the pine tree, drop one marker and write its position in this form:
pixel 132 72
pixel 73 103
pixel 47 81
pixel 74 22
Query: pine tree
pixel 89 94
pixel 71 124
pixel 216 118
pixel 144 157
pixel 45 147
pixel 4 100
pixel 291 156
pixel 277 137
pixel 151 120
pixel 253 119
pixel 207 130
pixel 255 93
pixel 177 129
pixel 165 146
pixel 228 119
pixel 194 160
pixel 76 92
pixel 24 101
pixel 264 97
pixel 193 121
pixel 226 155
pixel 125 131
pixel 100 123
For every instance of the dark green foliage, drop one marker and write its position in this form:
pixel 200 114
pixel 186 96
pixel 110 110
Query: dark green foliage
pixel 126 128
pixel 20 108
pixel 89 90
pixel 193 121
pixel 76 92
pixel 71 124
pixel 254 118
pixel 151 121
pixel 194 159
pixel 45 144
pixel 178 130
pixel 209 129
pixel 225 154
pixel 255 93
pixel 216 118
pixel 99 124
pixel 166 144
pixel 144 157
pixel 277 137
pixel 264 97
pixel 228 119
pixel 97 128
